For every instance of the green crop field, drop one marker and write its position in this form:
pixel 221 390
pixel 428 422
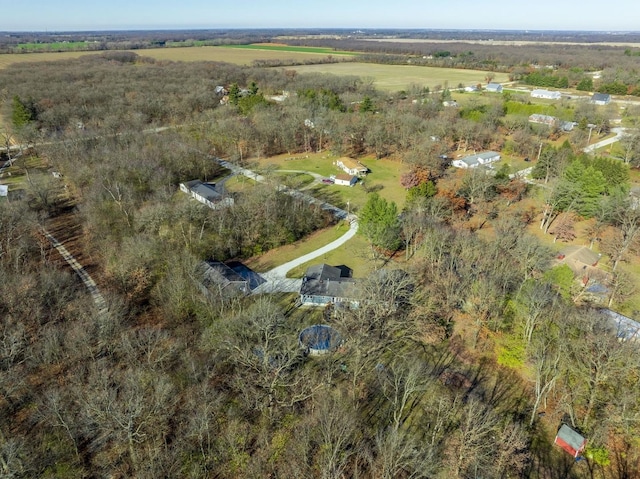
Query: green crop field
pixel 400 77
pixel 287 48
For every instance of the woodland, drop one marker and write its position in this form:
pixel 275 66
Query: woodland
pixel 462 366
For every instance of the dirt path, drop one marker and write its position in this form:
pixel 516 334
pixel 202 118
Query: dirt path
pixel 88 281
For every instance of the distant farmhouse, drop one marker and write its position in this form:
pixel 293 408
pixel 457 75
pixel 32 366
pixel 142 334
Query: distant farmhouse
pixel 601 99
pixel 473 161
pixel 351 166
pixel 206 194
pixel 546 94
pixel 493 88
pixel 551 121
pixel 323 284
pixel 471 88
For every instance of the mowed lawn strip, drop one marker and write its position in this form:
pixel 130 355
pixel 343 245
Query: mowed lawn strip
pixel 400 77
pixel 355 253
pixel 284 254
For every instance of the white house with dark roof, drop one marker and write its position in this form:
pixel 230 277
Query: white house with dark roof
pixel 478 159
pixel 207 194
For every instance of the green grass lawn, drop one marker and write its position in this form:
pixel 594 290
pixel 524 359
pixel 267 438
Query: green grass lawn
pixel 355 253
pixel 284 254
pixel 238 184
pixel 401 77
pixel 384 177
pixel 294 180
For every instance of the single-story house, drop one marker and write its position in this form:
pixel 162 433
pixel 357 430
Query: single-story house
pixel 626 329
pixel 323 284
pixel 4 190
pixel 217 276
pixel 221 91
pixel 206 194
pixel 493 88
pixel 546 94
pixel 601 99
pixel 570 440
pixel 351 166
pixel 345 180
pixel 580 259
pixel 551 121
pixel 543 119
pixel 473 161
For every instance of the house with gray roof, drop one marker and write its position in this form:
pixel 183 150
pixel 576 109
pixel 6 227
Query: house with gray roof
pixel 570 440
pixel 601 99
pixel 323 284
pixel 217 276
pixel 493 88
pixel 207 194
pixel 476 160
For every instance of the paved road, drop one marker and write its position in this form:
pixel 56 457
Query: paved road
pixel 88 281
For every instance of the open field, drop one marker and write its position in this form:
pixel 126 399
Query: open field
pixel 287 48
pixel 400 77
pixel 7 59
pixel 238 56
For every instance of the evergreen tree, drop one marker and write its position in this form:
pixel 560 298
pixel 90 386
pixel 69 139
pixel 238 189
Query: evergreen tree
pixel 21 114
pixel 379 223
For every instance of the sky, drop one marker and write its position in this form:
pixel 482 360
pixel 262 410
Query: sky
pixel 65 15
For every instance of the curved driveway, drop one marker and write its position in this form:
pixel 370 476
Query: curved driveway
pixel 276 279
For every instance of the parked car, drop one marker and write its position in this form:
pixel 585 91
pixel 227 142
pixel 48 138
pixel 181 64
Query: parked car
pixel 327 180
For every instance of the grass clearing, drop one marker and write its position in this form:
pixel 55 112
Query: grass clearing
pixel 400 77
pixel 284 254
pixel 384 178
pixel 355 253
pixel 288 48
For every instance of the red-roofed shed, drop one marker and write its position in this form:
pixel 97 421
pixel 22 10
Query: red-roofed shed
pixel 570 440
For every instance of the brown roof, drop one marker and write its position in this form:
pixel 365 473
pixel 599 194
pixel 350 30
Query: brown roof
pixel 351 163
pixel 345 177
